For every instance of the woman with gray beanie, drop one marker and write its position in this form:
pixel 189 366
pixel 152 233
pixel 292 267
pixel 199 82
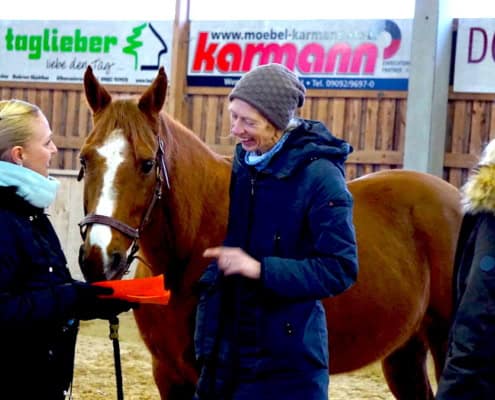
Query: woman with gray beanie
pixel 261 330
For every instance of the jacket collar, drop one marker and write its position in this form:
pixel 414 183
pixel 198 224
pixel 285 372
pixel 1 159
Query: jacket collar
pixel 10 200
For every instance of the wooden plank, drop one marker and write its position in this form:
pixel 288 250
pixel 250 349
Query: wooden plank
pixel 70 142
pixel 370 127
pixel 5 93
pixel 31 96
pixel 337 117
pixel 458 140
pixel 400 125
pixel 83 117
pixel 180 40
pixel 353 122
pixel 69 86
pixel 198 116
pixel 310 93
pixel 488 97
pixel 224 133
pixel 491 129
pixel 321 111
pixel 212 111
pixel 58 124
pixel 46 104
pixel 65 213
pixel 70 127
pixel 476 138
pixel 460 160
pixel 305 110
pixel 353 130
pixel 17 93
pixel 357 157
pixel 387 124
pixel 460 128
pixel 375 157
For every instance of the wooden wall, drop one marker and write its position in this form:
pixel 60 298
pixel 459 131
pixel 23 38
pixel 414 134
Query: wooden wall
pixel 65 213
pixel 373 122
pixel 471 125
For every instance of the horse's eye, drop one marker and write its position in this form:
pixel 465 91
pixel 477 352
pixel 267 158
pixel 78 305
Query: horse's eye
pixel 147 165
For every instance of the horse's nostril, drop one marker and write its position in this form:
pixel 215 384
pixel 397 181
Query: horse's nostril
pixel 80 258
pixel 116 260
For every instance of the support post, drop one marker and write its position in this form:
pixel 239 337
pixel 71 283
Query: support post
pixel 427 100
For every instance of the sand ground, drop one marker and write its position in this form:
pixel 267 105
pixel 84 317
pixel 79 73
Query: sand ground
pixel 95 378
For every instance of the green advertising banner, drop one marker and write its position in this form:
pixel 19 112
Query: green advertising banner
pixel 120 52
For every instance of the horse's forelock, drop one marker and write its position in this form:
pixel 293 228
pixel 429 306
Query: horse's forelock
pixel 123 114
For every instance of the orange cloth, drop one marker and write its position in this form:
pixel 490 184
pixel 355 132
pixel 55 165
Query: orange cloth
pixel 140 290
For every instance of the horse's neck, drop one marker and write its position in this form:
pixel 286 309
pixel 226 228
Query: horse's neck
pixel 200 182
pixel 195 208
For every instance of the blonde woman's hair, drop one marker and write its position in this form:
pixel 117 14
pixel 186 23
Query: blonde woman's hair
pixel 15 124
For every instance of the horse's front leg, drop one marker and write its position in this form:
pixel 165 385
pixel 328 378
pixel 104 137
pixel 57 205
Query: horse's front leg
pixel 167 336
pixel 174 384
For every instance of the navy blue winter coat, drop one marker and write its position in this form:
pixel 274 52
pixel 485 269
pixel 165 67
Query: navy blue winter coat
pixel 37 333
pixel 267 338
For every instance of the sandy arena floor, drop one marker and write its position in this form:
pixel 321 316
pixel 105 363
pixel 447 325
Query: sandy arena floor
pixel 95 380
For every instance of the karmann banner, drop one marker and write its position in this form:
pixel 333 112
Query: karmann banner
pixel 325 54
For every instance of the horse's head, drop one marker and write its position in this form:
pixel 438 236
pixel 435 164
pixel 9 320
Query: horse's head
pixel 123 166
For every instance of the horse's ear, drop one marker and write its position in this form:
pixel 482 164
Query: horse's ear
pixel 96 95
pixel 153 98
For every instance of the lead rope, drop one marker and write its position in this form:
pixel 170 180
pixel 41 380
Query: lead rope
pixel 114 337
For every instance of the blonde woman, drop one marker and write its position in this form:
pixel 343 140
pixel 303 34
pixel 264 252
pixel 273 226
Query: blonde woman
pixel 40 303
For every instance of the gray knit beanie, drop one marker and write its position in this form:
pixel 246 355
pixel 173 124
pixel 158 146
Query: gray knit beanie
pixel 273 90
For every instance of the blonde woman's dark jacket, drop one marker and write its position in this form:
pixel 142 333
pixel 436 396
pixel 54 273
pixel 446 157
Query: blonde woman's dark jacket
pixel 469 371
pixel 40 304
pixel 37 333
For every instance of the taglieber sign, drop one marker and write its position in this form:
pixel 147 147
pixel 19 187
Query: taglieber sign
pixel 475 56
pixel 120 52
pixel 325 54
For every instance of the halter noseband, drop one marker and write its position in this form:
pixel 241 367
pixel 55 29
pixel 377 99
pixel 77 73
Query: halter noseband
pixel 122 227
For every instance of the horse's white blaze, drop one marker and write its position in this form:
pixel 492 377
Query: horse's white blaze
pixel 113 152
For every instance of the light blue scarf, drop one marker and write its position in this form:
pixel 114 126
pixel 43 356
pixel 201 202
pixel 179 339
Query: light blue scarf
pixel 35 188
pixel 260 161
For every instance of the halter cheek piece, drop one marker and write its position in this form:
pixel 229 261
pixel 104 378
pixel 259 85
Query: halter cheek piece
pixel 122 227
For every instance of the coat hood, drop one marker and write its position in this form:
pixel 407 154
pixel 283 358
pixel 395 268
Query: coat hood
pixel 307 141
pixel 478 194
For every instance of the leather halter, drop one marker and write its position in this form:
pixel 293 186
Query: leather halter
pixel 122 227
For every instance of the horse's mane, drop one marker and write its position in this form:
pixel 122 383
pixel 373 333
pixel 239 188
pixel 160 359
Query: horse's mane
pixel 178 135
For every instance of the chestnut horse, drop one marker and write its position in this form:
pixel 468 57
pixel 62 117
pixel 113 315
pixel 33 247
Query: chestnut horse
pixel 151 182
